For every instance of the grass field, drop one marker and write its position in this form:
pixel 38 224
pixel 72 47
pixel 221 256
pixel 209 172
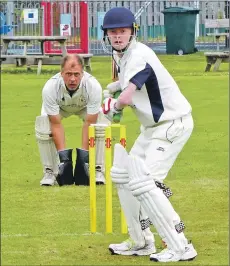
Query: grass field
pixel 50 225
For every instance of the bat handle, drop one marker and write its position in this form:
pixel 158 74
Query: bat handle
pixel 117 117
pixel 117 94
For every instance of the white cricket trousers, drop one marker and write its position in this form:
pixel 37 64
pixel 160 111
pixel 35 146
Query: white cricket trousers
pixel 160 145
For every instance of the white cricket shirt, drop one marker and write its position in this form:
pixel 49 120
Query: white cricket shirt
pixel 56 99
pixel 157 97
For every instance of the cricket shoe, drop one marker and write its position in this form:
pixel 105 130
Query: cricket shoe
pixel 100 178
pixel 48 179
pixel 167 255
pixel 129 248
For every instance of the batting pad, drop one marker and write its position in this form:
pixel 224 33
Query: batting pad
pixel 47 149
pixel 119 170
pixel 129 203
pixel 154 202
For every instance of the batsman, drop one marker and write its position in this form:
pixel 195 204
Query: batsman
pixel 166 125
pixel 70 92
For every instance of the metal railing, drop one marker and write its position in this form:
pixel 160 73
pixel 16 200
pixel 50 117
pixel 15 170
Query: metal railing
pixel 150 18
pixel 151 21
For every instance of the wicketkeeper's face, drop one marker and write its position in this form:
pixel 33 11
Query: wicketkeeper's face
pixel 72 74
pixel 119 37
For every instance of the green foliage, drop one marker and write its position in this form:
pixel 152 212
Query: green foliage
pixel 50 225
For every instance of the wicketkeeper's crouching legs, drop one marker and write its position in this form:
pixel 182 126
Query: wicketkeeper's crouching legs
pixel 50 158
pixel 47 149
pixel 57 166
pixel 161 213
pixel 141 240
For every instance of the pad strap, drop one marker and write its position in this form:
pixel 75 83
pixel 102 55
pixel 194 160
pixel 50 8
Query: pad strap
pixel 180 227
pixel 145 223
pixel 166 190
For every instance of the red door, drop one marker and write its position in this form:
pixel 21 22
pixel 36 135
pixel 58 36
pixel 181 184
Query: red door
pixel 78 41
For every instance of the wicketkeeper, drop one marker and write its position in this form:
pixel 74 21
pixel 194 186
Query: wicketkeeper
pixel 70 92
pixel 166 125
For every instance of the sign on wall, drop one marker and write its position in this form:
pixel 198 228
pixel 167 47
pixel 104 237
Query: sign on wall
pixel 30 16
pixel 65 30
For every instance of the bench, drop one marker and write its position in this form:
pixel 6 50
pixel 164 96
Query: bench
pixel 216 58
pixel 217 24
pixel 22 60
pixel 86 58
pixel 27 39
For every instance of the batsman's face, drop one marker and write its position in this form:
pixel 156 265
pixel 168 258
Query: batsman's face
pixel 72 74
pixel 119 37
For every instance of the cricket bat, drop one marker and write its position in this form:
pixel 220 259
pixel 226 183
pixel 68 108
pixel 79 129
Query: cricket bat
pixel 116 117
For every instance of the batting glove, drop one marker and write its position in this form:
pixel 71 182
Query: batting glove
pixel 107 94
pixel 113 87
pixel 109 108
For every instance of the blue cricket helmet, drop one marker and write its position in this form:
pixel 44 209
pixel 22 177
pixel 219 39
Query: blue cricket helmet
pixel 118 17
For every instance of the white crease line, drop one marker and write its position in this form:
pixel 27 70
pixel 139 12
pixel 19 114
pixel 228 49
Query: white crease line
pixel 97 234
pixel 53 235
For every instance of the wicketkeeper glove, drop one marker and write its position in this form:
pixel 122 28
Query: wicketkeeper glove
pixel 81 170
pixel 65 173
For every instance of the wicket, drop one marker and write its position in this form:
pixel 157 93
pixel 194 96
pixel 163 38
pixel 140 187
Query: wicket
pixel 108 186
